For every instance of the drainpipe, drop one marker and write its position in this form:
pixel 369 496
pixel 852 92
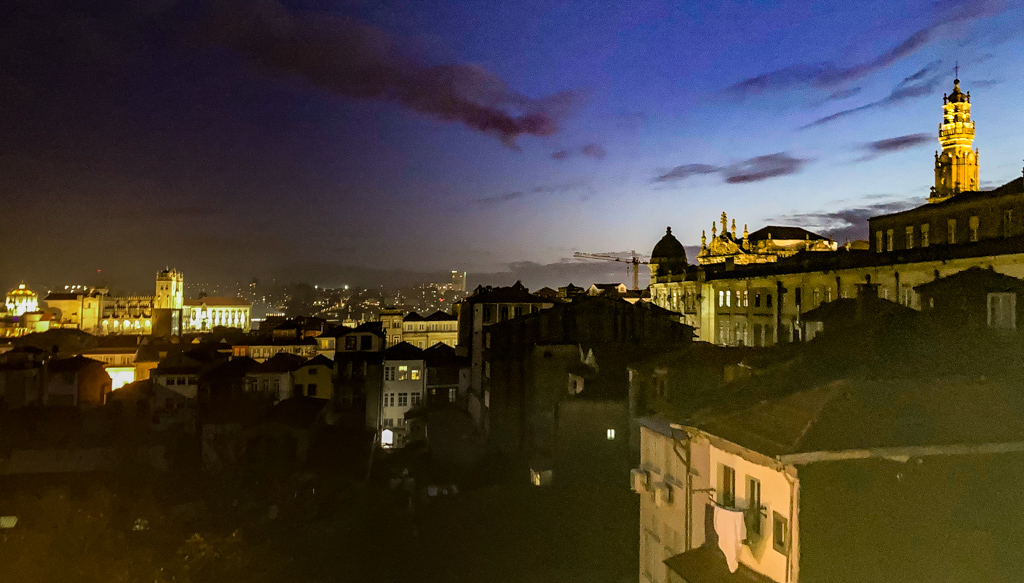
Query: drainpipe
pixel 688 482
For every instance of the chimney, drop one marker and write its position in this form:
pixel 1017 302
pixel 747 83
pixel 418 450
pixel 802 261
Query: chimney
pixel 866 293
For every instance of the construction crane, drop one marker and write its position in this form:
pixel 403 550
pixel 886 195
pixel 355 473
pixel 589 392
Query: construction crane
pixel 634 260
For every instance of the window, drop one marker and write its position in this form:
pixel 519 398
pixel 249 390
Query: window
pixel 889 240
pixel 350 343
pixel 388 422
pixel 721 299
pixel 753 517
pixel 365 342
pixel 768 301
pixel 726 486
pixel 1002 311
pixel 414 374
pixel 416 399
pixel 878 241
pixel 951 231
pixel 757 300
pixel 910 236
pixel 925 228
pixel 1007 221
pixel 403 373
pixel 780 533
pixel 504 313
pixel 311 390
pixel 395 340
pixel 745 298
pixel 973 224
pixel 403 399
pixel 451 395
pixel 610 434
pixel 798 296
pixel 518 311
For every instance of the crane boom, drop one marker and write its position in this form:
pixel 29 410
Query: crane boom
pixel 634 261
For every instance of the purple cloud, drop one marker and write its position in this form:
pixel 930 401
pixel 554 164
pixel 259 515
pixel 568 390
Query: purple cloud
pixel 353 59
pixel 763 167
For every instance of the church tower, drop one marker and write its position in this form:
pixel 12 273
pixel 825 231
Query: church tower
pixel 170 290
pixel 956 167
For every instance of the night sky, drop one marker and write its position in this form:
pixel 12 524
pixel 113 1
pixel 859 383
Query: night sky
pixel 344 142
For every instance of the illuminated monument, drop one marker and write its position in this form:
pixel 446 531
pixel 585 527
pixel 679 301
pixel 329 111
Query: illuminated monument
pixel 21 300
pixel 956 168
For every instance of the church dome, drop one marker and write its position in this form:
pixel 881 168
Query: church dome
pixel 669 248
pixel 21 299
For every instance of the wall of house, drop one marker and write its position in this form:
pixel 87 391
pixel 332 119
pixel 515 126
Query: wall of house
pixel 779 493
pixel 592 442
pixel 404 388
pixel 317 376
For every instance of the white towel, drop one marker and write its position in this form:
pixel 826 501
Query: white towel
pixel 731 530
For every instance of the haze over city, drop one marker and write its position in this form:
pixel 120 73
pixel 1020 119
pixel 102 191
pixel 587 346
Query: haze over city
pixel 363 142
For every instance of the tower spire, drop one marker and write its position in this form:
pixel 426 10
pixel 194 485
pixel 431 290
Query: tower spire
pixel 956 167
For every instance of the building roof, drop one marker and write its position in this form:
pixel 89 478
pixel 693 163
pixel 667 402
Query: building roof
pixel 72 364
pixel 864 414
pixel 516 293
pixel 707 564
pixel 320 360
pixel 440 316
pixel 373 327
pixel 973 277
pixel 57 296
pixel 403 351
pixel 846 310
pixel 668 248
pixel 281 362
pixel 784 233
pixel 218 302
pixel 1013 187
pixel 441 354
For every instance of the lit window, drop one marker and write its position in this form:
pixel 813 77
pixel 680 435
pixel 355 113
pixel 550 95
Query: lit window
pixel 415 374
pixel 403 373
pixel 610 434
pixel 910 237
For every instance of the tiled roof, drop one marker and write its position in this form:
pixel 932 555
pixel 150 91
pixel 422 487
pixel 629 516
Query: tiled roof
pixel 784 233
pixel 403 351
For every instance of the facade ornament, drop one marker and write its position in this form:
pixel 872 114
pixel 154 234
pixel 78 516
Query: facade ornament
pixel 734 228
pixel 725 223
pixel 703 240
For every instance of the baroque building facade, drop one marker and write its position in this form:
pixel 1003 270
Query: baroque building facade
pixel 165 313
pixel 752 290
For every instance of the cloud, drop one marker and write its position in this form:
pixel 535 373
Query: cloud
pixel 924 81
pixel 595 151
pixel 890 145
pixel 840 94
pixel 353 59
pixel 566 188
pixel 686 171
pixel 828 75
pixel 985 83
pixel 753 169
pixel 764 167
pixel 847 224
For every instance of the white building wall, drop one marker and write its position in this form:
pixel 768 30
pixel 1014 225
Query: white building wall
pixel 404 388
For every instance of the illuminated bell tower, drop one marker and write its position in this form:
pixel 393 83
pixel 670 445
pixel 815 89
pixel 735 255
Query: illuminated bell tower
pixel 170 290
pixel 956 168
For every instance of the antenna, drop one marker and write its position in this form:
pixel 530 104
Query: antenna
pixel 956 70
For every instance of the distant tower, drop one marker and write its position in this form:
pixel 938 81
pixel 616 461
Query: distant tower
pixel 170 290
pixel 459 281
pixel 956 168
pixel 21 300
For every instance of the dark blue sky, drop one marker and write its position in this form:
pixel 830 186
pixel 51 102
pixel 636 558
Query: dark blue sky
pixel 321 140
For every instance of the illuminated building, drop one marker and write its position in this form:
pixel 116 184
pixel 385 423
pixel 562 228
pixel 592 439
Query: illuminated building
pixel 420 331
pixel 21 300
pixel 166 313
pixel 205 314
pixel 756 296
